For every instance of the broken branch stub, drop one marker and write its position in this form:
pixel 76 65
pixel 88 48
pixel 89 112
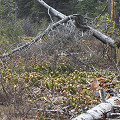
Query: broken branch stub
pixel 100 36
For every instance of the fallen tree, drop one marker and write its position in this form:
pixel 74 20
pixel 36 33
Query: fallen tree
pixel 103 108
pixel 75 20
pixel 100 36
pixel 99 111
pixel 37 38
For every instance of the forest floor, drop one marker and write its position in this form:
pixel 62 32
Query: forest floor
pixel 40 93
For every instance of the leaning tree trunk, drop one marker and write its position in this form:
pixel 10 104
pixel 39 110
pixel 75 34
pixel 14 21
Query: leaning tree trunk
pixel 100 36
pixel 55 12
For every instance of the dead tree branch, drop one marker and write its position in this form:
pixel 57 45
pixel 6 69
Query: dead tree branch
pixel 100 36
pixel 37 38
pixel 96 19
pixel 52 10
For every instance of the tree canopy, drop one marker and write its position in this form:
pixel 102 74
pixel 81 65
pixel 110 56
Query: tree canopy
pixel 34 10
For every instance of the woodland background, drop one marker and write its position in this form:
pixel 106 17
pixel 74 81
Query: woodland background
pixel 59 77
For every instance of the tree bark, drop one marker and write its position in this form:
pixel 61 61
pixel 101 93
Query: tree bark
pixel 52 10
pixel 98 111
pixel 100 36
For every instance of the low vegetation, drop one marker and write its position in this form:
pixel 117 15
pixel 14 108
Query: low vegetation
pixel 37 92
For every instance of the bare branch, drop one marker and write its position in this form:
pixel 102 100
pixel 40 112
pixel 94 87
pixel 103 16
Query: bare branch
pixel 102 37
pixel 37 38
pixel 96 19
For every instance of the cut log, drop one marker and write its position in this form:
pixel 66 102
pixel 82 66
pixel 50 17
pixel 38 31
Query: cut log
pixel 98 111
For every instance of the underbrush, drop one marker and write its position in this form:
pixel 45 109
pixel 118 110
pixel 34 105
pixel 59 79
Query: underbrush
pixel 56 79
pixel 41 91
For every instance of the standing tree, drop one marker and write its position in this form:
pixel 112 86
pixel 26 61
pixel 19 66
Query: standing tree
pixel 8 21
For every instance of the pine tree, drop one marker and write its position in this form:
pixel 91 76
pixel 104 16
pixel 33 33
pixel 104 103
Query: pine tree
pixel 90 7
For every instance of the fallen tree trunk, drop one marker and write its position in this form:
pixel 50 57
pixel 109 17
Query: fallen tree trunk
pixel 103 38
pixel 100 36
pixel 52 10
pixel 98 111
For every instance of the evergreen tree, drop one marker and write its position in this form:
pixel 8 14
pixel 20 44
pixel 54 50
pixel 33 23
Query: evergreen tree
pixel 90 7
pixel 118 6
pixel 10 29
pixel 24 8
pixel 33 9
